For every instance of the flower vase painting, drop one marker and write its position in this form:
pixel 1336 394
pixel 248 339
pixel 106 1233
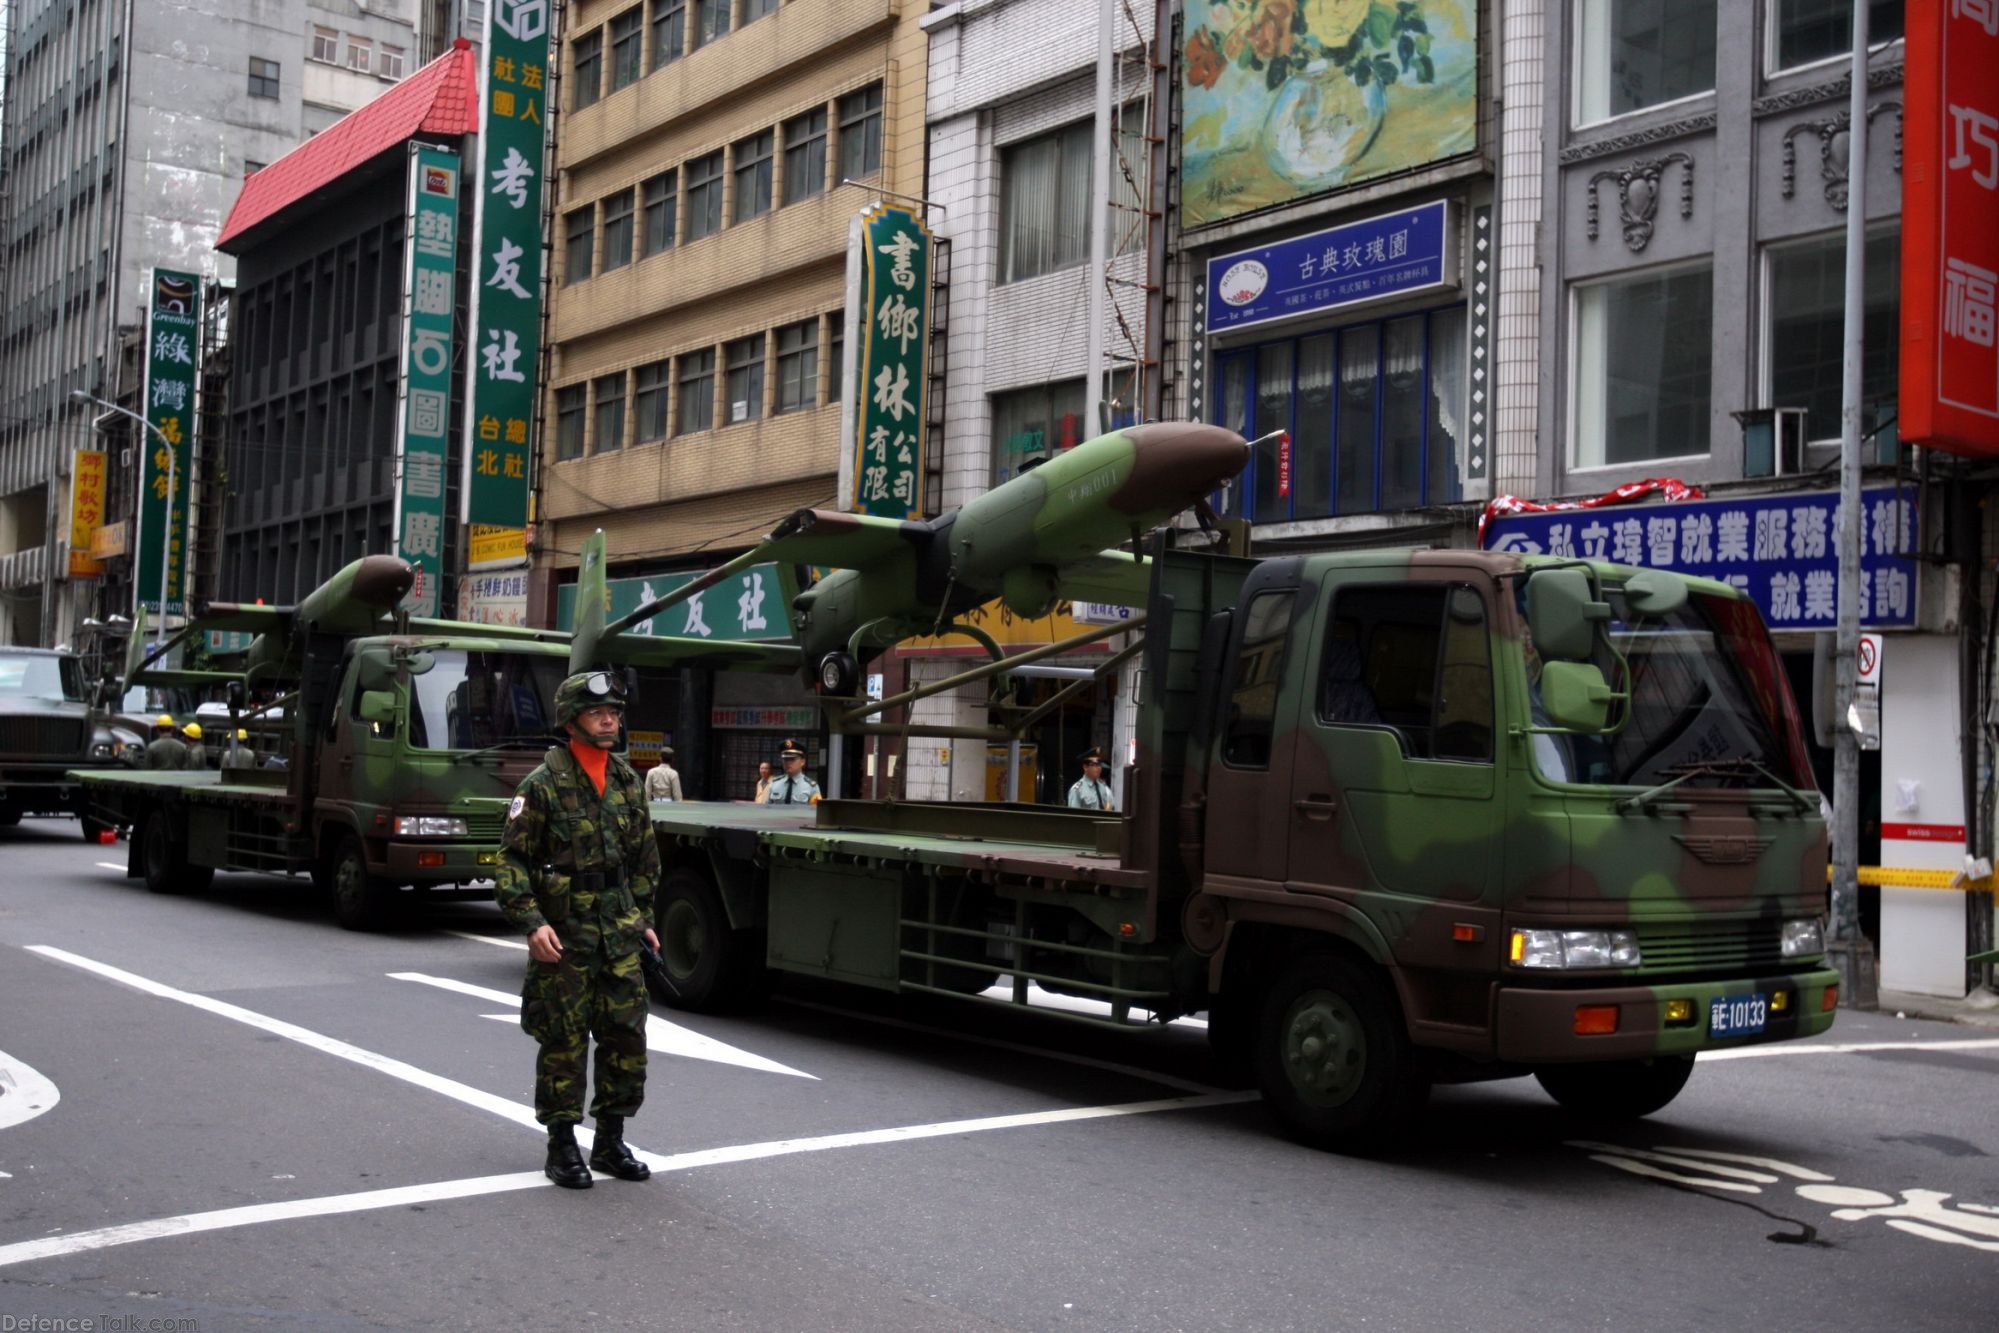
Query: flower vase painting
pixel 1283 99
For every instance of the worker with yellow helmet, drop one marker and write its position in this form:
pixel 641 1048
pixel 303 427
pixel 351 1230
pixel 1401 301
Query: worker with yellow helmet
pixel 197 755
pixel 239 754
pixel 167 750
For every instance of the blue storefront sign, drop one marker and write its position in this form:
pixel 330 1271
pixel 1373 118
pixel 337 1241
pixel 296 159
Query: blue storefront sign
pixel 1396 254
pixel 1780 549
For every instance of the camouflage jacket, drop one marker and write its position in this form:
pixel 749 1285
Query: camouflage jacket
pixel 558 832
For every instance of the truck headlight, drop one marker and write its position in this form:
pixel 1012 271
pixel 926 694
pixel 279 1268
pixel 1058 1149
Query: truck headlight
pixel 429 826
pixel 1803 939
pixel 104 750
pixel 1574 948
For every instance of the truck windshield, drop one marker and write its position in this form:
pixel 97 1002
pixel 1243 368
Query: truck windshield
pixel 1709 703
pixel 40 678
pixel 468 701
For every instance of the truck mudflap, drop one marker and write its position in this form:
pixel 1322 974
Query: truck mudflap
pixel 1539 1026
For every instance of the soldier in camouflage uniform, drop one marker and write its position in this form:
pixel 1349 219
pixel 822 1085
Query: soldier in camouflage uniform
pixel 578 863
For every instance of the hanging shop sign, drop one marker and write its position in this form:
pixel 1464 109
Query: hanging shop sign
pixel 430 269
pixel 1395 254
pixel 750 606
pixel 173 343
pixel 86 512
pixel 891 342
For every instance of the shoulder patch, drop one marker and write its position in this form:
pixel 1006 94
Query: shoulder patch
pixel 514 810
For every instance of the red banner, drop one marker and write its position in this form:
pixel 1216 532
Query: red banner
pixel 1671 487
pixel 1949 392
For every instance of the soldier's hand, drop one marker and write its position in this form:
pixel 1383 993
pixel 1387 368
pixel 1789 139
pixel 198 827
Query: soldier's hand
pixel 545 946
pixel 652 940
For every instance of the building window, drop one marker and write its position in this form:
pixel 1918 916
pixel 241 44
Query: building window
pixel 1631 54
pixel 697 392
pixel 609 393
pixel 669 31
pixel 836 352
pixel 1375 413
pixel 662 204
pixel 569 407
pixel 797 366
pixel 263 77
pixel 753 177
pixel 391 64
pixel 578 231
pixel 649 402
pixel 1032 425
pixel 1045 203
pixel 1807 304
pixel 756 9
pixel 704 196
pixel 861 133
pixel 711 20
pixel 1642 353
pixel 360 54
pixel 1807 31
pixel 804 156
pixel 617 231
pixel 627 32
pixel 325 44
pixel 746 378
pixel 586 69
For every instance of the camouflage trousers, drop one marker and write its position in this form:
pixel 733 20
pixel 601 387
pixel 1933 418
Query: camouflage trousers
pixel 563 1005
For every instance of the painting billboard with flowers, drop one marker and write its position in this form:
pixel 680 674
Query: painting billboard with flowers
pixel 1283 99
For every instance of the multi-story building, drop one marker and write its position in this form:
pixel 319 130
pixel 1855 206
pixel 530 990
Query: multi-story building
pixel 129 129
pixel 710 156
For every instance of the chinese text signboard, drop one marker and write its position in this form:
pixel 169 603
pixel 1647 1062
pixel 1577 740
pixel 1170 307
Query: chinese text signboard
pixel 750 605
pixel 430 269
pixel 892 379
pixel 86 512
pixel 1392 255
pixel 494 599
pixel 1780 549
pixel 506 294
pixel 173 338
pixel 1949 396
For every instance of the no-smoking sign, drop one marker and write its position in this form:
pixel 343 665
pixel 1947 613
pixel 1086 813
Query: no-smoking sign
pixel 1868 662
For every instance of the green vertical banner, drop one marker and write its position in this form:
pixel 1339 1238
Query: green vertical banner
pixel 892 360
pixel 506 294
pixel 430 270
pixel 173 344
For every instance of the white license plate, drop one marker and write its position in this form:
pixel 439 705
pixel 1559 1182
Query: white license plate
pixel 1738 1015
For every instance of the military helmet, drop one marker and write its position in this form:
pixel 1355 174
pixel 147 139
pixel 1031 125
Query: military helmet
pixel 587 689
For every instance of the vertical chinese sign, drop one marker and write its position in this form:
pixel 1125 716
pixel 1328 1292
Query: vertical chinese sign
pixel 891 356
pixel 86 512
pixel 430 264
pixel 173 325
pixel 506 294
pixel 1949 394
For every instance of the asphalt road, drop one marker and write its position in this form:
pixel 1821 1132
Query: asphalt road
pixel 224 1112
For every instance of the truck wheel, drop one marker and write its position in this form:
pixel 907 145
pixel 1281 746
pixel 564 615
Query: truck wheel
pixel 1622 1090
pixel 1332 1058
pixel 361 901
pixel 164 861
pixel 9 818
pixel 710 966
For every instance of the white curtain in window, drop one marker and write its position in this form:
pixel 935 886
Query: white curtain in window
pixel 1447 369
pixel 1586 432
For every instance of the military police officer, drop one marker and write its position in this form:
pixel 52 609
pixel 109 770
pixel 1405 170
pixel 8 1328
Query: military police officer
pixel 1091 792
pixel 578 863
pixel 794 788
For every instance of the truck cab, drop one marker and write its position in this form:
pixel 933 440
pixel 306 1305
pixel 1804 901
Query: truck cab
pixel 47 729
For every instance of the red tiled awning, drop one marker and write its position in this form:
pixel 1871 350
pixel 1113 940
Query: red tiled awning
pixel 441 98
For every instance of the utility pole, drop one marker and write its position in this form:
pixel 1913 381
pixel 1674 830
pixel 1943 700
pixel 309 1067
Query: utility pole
pixel 167 527
pixel 1849 948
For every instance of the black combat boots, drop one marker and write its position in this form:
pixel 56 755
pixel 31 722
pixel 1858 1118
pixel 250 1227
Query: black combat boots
pixel 611 1156
pixel 565 1160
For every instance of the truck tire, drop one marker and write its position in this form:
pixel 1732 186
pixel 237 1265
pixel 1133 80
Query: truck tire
pixel 1621 1090
pixel 164 861
pixel 1332 1057
pixel 9 818
pixel 710 967
pixel 361 901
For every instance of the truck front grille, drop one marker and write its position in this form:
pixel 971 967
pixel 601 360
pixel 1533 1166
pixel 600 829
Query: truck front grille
pixel 1722 946
pixel 35 737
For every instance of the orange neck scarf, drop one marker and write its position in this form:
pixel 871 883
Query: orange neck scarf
pixel 591 760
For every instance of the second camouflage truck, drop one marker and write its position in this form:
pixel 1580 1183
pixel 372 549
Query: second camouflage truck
pixel 400 744
pixel 1395 818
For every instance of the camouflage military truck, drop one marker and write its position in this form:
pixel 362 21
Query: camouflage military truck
pixel 47 729
pixel 1395 819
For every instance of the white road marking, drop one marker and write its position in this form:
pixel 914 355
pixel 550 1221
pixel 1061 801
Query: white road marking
pixel 24 1092
pixel 49 1247
pixel 111 865
pixel 500 940
pixel 1852 1048
pixel 662 1036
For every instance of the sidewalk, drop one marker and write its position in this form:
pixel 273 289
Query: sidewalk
pixel 1978 1009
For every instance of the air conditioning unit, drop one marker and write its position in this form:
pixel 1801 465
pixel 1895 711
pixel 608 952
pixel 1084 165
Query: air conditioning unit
pixel 1773 441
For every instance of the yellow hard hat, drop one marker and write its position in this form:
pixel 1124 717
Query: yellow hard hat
pixel 164 720
pixel 192 731
pixel 242 735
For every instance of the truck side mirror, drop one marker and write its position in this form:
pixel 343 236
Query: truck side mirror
pixel 1575 697
pixel 378 707
pixel 1655 592
pixel 376 671
pixel 1563 613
